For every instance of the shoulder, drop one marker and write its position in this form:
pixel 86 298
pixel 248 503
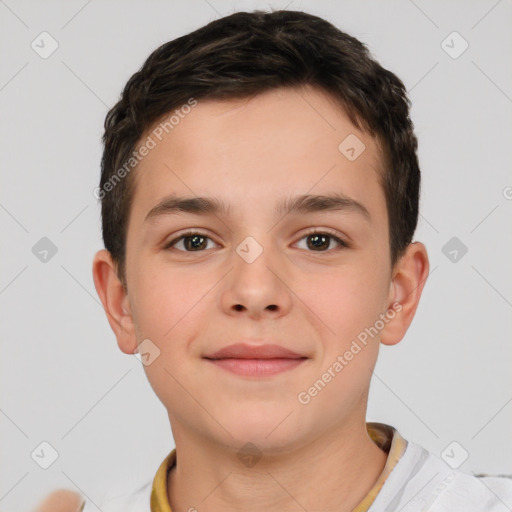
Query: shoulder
pixel 422 481
pixel 137 491
pixel 128 501
pixel 462 491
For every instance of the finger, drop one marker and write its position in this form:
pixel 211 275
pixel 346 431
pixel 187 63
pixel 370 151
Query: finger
pixel 61 500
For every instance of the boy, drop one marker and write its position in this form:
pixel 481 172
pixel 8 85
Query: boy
pixel 260 190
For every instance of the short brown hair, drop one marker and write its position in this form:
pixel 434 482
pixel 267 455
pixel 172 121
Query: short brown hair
pixel 247 53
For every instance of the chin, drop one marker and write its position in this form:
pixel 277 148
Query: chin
pixel 272 429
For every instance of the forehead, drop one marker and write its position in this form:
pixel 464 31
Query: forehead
pixel 251 152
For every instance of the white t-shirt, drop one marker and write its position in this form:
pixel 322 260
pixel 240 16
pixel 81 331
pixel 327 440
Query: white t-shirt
pixel 419 482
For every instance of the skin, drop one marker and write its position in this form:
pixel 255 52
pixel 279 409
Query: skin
pixel 252 153
pixel 61 500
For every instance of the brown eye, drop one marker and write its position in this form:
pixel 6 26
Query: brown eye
pixel 319 241
pixel 189 242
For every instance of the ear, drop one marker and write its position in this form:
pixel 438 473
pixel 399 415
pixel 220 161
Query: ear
pixel 409 277
pixel 115 301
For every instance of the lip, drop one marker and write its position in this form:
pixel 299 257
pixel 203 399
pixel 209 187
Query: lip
pixel 245 351
pixel 255 360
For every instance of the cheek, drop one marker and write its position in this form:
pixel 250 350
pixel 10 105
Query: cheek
pixel 164 298
pixel 344 300
pixel 348 303
pixel 160 295
pixel 168 309
pixel 173 309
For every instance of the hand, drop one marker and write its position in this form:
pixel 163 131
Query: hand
pixel 61 500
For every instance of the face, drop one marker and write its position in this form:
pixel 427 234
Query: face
pixel 309 279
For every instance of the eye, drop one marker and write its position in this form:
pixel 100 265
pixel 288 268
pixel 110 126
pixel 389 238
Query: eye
pixel 191 241
pixel 194 241
pixel 318 240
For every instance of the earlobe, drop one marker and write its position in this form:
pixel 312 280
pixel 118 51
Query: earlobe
pixel 409 278
pixel 115 301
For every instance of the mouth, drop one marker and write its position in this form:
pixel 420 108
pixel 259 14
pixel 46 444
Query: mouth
pixel 255 360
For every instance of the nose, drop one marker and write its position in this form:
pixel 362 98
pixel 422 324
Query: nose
pixel 256 285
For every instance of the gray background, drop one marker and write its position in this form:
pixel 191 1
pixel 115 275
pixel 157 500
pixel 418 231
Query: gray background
pixel 63 378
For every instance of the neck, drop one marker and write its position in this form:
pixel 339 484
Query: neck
pixel 333 472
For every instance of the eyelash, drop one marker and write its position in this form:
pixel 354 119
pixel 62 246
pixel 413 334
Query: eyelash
pixel 342 243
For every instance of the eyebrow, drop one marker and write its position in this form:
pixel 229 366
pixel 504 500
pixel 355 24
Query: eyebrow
pixel 302 204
